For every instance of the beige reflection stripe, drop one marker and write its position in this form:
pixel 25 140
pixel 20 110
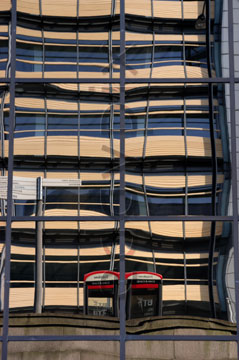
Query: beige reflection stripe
pixel 23 250
pixel 72 225
pixel 28 6
pixel 178 181
pixel 61 296
pixel 68 8
pixel 166 9
pixel 102 88
pixel 60 252
pixel 31 102
pixel 169 103
pixel 133 36
pixel 63 74
pixel 20 297
pixel 176 71
pixel 175 228
pixel 194 292
pixel 170 229
pixel 5 5
pixel 66 35
pixel 99 147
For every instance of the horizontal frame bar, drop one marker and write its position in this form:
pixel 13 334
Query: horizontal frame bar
pixel 127 338
pixel 116 218
pixel 117 81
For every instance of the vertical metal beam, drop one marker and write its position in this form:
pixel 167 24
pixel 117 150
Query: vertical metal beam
pixel 39 248
pixel 214 162
pixel 234 161
pixel 122 180
pixel 10 180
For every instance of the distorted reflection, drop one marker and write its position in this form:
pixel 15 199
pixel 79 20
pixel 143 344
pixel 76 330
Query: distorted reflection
pixel 70 46
pixel 180 252
pixel 68 251
pixel 173 257
pixel 162 39
pixel 67 151
pixel 5 26
pixel 2 265
pixel 175 142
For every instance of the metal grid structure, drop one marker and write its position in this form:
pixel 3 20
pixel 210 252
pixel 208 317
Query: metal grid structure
pixel 122 218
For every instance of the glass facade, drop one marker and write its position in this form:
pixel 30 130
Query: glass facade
pixel 118 184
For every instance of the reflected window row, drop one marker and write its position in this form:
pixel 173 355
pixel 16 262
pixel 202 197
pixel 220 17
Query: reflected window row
pixel 70 131
pixel 161 37
pixel 178 251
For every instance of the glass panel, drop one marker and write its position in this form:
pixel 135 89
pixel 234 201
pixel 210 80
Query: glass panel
pixel 68 349
pixel 158 47
pixel 68 134
pixel 186 350
pixel 49 264
pixel 5 26
pixel 2 266
pixel 236 37
pixel 179 254
pixel 170 152
pixel 4 135
pixel 69 47
pixel 237 130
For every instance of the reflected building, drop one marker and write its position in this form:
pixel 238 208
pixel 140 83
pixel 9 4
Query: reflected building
pixel 67 139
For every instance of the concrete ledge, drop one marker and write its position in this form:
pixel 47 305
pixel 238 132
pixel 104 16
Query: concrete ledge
pixel 70 324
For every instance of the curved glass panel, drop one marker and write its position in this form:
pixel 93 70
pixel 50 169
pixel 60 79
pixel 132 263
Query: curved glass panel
pixel 181 253
pixel 176 140
pixel 175 39
pixel 61 42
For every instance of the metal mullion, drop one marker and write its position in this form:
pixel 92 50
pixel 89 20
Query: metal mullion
pixel 112 258
pixel 79 133
pixel 46 126
pixel 234 161
pixel 110 58
pixel 3 170
pixel 184 254
pixel 10 183
pixel 214 199
pixel 44 198
pixel 146 125
pixel 147 211
pixel 150 77
pixel 122 183
pixel 126 218
pixel 78 277
pixel 2 123
pixel 186 154
pixel 117 81
pixel 184 53
pixel 186 157
pixel 44 276
pixel 128 337
pixel 212 240
pixel 77 75
pixel 43 42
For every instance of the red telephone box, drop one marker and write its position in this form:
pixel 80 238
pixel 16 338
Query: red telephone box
pixel 101 293
pixel 144 294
